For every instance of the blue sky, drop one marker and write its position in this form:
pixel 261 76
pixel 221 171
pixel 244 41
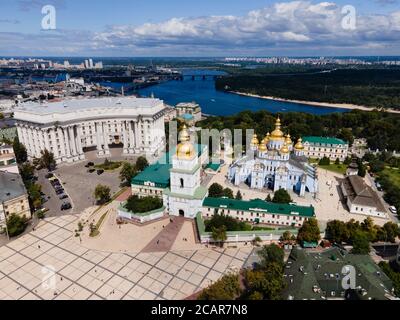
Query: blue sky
pixel 199 28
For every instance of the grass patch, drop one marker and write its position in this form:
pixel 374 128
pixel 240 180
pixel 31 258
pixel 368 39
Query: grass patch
pixel 109 165
pixel 338 168
pixel 393 175
pixel 94 229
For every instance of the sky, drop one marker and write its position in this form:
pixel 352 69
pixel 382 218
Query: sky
pixel 202 28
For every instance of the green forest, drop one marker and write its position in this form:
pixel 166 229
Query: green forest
pixel 381 129
pixel 376 88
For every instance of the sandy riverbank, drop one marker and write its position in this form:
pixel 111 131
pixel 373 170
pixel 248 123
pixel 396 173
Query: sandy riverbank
pixel 316 104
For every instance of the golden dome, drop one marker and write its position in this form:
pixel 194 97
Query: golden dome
pixel 254 141
pixel 267 137
pixel 263 146
pixel 285 148
pixel 288 140
pixel 277 134
pixel 184 134
pixel 185 149
pixel 299 144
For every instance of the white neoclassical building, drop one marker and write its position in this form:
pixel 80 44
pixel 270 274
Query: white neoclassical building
pixel 70 127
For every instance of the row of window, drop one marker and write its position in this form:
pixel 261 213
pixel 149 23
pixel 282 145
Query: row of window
pixel 256 214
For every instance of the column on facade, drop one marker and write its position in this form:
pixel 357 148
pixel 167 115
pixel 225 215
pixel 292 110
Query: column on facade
pixel 56 150
pixel 72 141
pixel 40 134
pixel 138 143
pixel 46 140
pixel 98 133
pixel 63 136
pixel 132 144
pixel 105 138
pixel 125 137
pixel 78 140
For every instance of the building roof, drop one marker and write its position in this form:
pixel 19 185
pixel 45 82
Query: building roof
pixel 159 172
pixel 318 275
pixel 11 186
pixel 361 194
pixel 324 140
pixel 70 105
pixel 258 205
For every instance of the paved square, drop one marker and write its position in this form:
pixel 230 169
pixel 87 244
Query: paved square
pixel 48 263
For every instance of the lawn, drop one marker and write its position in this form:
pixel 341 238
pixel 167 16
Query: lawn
pixel 109 165
pixel 393 174
pixel 338 168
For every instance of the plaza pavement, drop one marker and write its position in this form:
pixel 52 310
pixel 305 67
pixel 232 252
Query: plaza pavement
pixel 83 273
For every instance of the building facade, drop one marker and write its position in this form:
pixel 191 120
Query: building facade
pixel 8 162
pixel 332 148
pixel 189 112
pixel 360 198
pixel 68 128
pixel 275 163
pixel 13 197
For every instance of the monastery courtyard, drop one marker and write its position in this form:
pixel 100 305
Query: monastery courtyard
pixel 121 263
pixel 328 205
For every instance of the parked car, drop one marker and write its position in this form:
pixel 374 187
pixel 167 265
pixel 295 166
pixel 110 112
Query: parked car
pixel 91 170
pixel 49 176
pixel 59 191
pixel 100 172
pixel 63 196
pixel 66 206
pixel 393 209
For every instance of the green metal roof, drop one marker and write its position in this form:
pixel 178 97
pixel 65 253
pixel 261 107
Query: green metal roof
pixel 156 173
pixel 159 172
pixel 214 166
pixel 324 140
pixel 259 205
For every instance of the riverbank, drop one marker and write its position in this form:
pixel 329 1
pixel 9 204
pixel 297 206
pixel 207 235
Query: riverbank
pixel 317 104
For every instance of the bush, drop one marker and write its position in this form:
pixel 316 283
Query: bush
pixel 227 288
pixel 325 161
pixel 140 205
pixel 16 225
pixel 282 196
pixel 231 224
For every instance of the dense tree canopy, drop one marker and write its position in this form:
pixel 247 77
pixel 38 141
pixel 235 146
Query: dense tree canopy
pixel 282 196
pixel 309 231
pixel 140 205
pixel 102 194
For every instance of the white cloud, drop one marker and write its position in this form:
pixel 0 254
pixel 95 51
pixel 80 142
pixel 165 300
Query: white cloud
pixel 297 27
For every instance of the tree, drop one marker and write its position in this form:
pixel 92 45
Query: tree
pixel 127 173
pixel 361 243
pixel 361 170
pixel 337 161
pixel 392 231
pixel 271 254
pixel 35 194
pixel 102 194
pixel 1 116
pixel 325 161
pixel 282 196
pixel 219 235
pixel 239 195
pixel 268 198
pixel 20 152
pixel 141 164
pixel 16 225
pixel 145 204
pixel 27 172
pixel 228 193
pixel 47 160
pixel 309 231
pixel 216 191
pixel 336 231
pixel 286 236
pixel 227 288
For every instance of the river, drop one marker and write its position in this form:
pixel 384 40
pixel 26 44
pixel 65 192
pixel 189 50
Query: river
pixel 220 103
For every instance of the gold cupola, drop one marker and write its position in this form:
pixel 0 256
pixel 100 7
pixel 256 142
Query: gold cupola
pixel 288 140
pixel 263 146
pixel 277 134
pixel 299 144
pixel 285 148
pixel 267 137
pixel 254 141
pixel 185 149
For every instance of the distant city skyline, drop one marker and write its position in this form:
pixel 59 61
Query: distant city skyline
pixel 208 28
